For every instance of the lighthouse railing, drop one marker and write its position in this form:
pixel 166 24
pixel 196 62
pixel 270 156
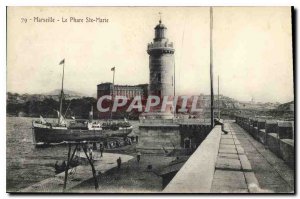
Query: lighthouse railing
pixel 160 45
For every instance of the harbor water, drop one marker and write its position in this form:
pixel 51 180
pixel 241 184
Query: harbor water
pixel 25 164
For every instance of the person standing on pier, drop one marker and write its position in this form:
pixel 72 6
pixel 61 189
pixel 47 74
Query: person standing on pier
pixel 138 157
pixel 119 162
pixel 136 139
pixel 101 149
pixel 91 153
pixel 94 146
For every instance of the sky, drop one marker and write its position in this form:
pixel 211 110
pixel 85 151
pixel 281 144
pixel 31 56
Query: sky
pixel 252 49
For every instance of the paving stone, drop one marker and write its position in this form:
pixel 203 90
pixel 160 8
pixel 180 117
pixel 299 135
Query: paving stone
pixel 229 182
pixel 236 142
pixel 234 133
pixel 227 141
pixel 223 189
pixel 228 155
pixel 228 151
pixel 252 183
pixel 246 166
pixel 226 174
pixel 228 164
pixel 234 137
pixel 226 146
pixel 240 138
pixel 240 149
pixel 248 148
pixel 226 136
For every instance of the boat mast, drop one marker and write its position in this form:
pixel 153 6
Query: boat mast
pixel 211 71
pixel 62 90
pixel 92 113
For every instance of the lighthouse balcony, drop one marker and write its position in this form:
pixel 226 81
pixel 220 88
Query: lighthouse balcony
pixel 160 45
pixel 159 48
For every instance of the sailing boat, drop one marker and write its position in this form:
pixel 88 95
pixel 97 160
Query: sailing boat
pixel 61 124
pixel 78 129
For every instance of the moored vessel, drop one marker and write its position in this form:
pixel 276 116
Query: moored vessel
pixel 77 130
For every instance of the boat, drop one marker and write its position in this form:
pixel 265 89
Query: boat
pixel 77 130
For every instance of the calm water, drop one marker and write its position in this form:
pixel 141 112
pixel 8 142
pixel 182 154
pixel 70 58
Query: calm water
pixel 27 165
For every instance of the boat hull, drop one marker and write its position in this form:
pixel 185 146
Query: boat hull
pixel 48 135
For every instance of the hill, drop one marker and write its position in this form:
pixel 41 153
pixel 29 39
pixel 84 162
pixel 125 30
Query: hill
pixel 66 92
pixel 289 106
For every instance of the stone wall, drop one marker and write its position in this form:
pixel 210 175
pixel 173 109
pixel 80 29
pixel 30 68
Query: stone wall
pixel 162 137
pixel 277 136
pixel 158 138
pixel 196 175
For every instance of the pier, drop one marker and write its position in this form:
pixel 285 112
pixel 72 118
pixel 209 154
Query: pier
pixel 233 163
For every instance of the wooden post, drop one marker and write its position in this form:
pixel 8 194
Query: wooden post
pixel 72 156
pixel 93 168
pixel 67 168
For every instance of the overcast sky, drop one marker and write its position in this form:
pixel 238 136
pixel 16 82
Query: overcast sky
pixel 252 49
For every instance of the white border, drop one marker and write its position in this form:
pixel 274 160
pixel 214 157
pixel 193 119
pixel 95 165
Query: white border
pixel 4 3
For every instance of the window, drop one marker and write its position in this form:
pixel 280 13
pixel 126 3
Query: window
pixel 158 77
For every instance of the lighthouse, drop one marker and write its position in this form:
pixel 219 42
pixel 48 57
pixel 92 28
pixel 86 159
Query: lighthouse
pixel 159 132
pixel 161 66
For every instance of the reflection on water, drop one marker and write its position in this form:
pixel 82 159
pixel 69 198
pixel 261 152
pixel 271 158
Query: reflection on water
pixel 26 164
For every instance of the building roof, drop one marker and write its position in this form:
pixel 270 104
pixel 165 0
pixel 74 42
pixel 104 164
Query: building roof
pixel 160 26
pixel 116 85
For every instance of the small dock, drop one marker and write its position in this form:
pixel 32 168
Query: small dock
pixel 78 174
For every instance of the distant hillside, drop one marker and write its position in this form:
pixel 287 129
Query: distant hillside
pixel 289 106
pixel 66 92
pixel 16 98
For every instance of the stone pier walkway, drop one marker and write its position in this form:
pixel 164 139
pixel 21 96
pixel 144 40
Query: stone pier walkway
pixel 244 165
pixel 78 174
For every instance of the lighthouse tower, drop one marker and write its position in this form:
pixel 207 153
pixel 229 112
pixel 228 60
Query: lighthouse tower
pixel 161 65
pixel 154 135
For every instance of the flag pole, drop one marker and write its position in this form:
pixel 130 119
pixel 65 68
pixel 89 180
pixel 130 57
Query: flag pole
pixel 219 113
pixel 113 90
pixel 211 71
pixel 61 92
pixel 174 105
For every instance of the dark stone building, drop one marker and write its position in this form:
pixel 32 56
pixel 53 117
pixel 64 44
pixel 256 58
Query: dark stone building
pixel 128 91
pixel 122 90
